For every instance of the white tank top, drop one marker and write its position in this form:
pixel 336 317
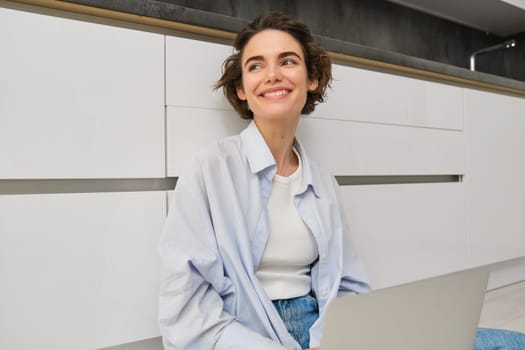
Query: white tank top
pixel 284 270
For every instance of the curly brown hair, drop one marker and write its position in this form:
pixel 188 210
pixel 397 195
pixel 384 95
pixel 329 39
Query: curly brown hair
pixel 318 63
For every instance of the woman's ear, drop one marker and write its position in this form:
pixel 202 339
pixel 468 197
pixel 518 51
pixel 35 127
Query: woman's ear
pixel 313 85
pixel 240 93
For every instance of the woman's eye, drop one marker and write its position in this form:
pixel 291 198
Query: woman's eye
pixel 255 66
pixel 288 62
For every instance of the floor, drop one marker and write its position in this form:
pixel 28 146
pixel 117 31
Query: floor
pixel 505 308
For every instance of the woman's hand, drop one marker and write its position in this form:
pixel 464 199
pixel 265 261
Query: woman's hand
pixel 313 349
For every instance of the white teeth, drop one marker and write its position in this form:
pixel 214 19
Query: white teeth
pixel 276 93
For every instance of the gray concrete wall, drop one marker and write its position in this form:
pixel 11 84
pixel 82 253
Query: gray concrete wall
pixel 383 25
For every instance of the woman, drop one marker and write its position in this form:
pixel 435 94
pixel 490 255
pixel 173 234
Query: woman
pixel 255 242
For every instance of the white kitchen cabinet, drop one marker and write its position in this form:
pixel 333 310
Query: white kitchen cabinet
pixel 190 130
pixel 343 147
pixel 495 169
pixel 79 271
pixel 192 68
pixel 369 96
pixel 79 99
pixel 358 148
pixel 407 232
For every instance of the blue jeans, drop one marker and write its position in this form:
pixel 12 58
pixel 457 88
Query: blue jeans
pixel 300 313
pixel 499 339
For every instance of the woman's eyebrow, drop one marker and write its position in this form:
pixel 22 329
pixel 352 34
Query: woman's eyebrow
pixel 289 53
pixel 281 55
pixel 254 58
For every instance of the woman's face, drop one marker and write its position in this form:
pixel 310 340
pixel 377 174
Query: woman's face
pixel 274 76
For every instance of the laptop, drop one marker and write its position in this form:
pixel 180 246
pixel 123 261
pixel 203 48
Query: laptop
pixel 440 313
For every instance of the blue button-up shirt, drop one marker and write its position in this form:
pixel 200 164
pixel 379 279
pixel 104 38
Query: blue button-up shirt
pixel 214 239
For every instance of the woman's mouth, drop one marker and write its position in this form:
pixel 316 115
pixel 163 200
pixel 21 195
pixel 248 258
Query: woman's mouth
pixel 276 93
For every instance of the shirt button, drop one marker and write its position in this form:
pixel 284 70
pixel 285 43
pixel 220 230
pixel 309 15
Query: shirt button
pixel 324 293
pixel 322 257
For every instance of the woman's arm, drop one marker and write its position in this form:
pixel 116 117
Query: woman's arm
pixel 191 313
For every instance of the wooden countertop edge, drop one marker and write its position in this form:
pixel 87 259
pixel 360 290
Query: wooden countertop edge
pixel 225 35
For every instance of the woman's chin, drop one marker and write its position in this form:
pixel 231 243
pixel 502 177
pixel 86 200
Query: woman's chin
pixel 277 114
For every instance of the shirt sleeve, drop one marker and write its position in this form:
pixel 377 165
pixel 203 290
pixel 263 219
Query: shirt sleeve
pixel 191 309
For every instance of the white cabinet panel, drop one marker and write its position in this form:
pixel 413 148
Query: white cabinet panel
pixel 79 271
pixel 189 130
pixel 364 95
pixel 357 148
pixel 407 232
pixel 343 147
pixel 495 151
pixel 192 68
pixel 79 100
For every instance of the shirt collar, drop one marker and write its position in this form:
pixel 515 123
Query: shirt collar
pixel 260 157
pixel 307 181
pixel 255 148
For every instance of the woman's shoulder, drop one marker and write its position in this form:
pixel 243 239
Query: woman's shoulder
pixel 220 150
pixel 216 154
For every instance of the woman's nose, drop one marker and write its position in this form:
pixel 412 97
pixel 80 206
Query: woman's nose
pixel 273 74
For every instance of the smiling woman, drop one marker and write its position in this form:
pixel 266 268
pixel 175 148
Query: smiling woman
pixel 256 243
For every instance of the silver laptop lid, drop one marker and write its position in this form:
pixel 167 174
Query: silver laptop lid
pixel 433 314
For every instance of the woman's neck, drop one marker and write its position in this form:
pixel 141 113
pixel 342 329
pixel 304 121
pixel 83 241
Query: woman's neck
pixel 279 136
